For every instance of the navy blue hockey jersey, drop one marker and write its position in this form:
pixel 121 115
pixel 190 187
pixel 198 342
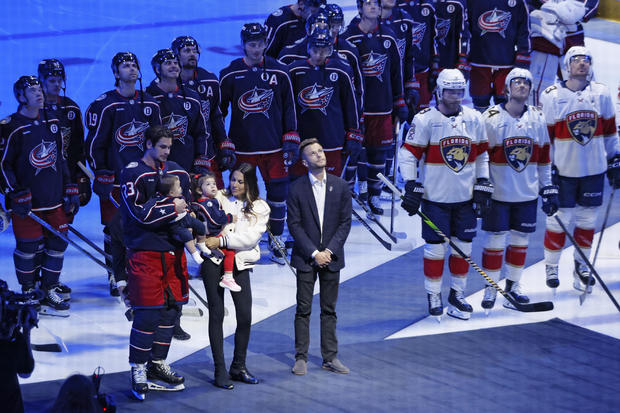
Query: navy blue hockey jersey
pixel 183 116
pixel 452 34
pixel 284 29
pixel 423 36
pixel 261 105
pixel 116 127
pixel 325 100
pixel 209 211
pixel 32 158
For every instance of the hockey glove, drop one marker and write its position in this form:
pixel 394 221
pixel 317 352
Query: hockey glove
pixel 413 196
pixel 613 171
pixel 290 148
pixel 550 202
pixel 202 164
pixel 227 158
pixel 83 183
pixel 464 66
pixel 522 61
pixel 483 189
pixel 400 110
pixel 21 202
pixel 412 97
pixel 353 144
pixel 104 183
pixel 71 199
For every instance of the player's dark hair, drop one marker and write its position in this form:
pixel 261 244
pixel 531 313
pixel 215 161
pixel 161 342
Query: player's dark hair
pixel 305 143
pixel 166 183
pixel 155 132
pixel 251 185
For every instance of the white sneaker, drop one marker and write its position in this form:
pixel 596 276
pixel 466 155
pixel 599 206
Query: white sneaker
pixel 230 283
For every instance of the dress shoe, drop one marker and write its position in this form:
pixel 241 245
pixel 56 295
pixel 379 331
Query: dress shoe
pixel 300 367
pixel 245 376
pixel 224 384
pixel 335 366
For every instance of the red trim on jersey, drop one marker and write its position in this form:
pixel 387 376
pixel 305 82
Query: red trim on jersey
pixel 433 153
pixel 609 126
pixel 416 151
pixel 539 155
pixel 561 131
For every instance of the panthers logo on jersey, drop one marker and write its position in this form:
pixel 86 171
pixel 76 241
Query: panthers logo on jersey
pixel 373 64
pixel 417 34
pixel 455 151
pixel 43 156
pixel 177 125
pixel 255 101
pixel 582 125
pixel 315 97
pixel 518 151
pixel 443 27
pixel 131 134
pixel 494 21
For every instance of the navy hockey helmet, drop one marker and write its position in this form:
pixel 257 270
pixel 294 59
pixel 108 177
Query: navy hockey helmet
pixel 51 67
pixel 23 83
pixel 253 31
pixel 160 57
pixel 320 38
pixel 182 41
pixel 122 57
pixel 334 14
pixel 318 19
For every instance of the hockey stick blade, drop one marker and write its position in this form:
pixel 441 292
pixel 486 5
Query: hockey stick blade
pixel 526 308
pixel 49 348
pixel 192 312
pixel 373 217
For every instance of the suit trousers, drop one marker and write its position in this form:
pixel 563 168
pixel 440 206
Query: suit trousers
pixel 328 283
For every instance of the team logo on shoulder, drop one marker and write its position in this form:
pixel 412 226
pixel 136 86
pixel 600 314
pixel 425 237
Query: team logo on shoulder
pixel 494 21
pixel 425 12
pixel 132 165
pixel 177 125
pixel 401 44
pixel 455 152
pixel 277 13
pixel 373 64
pixel 43 156
pixel 71 115
pixel 582 125
pixel 443 27
pixel 417 34
pixel 386 44
pixel 333 76
pixel 101 97
pixel 205 108
pixel 54 128
pixel 147 111
pixel 131 134
pixel 315 97
pixel 255 101
pixel 451 8
pixel 518 151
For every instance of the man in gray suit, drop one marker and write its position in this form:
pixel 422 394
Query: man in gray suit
pixel 319 220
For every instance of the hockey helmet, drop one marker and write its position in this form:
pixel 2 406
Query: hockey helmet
pixel 334 14
pixel 160 57
pixel 360 3
pixel 320 38
pixel 253 31
pixel 450 79
pixel 51 67
pixel 320 18
pixel 182 41
pixel 517 73
pixel 121 57
pixel 23 83
pixel 314 3
pixel 576 51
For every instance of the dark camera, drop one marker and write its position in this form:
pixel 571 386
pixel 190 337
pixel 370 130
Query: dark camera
pixel 17 311
pixel 106 401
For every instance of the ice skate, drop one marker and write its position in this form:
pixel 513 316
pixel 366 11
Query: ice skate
pixel 514 291
pixel 581 275
pixel 276 255
pixel 160 371
pixel 435 307
pixel 552 276
pixel 139 384
pixel 375 205
pixel 488 301
pixel 459 308
pixel 64 291
pixel 52 304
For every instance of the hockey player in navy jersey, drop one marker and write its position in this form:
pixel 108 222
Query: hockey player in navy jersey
pixel 520 170
pixel 381 67
pixel 287 25
pixel 53 80
pixel 325 101
pixel 299 49
pixel 35 179
pixel 452 39
pixel 263 124
pixel 207 86
pixel 156 263
pixel 582 127
pixel 500 40
pixel 116 122
pixel 452 186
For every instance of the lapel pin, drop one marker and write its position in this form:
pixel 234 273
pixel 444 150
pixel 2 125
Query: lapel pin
pixel 330 188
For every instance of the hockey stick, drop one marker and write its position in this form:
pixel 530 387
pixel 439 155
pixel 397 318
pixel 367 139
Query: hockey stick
pixel 90 176
pixel 66 239
pixel 394 169
pixel 48 348
pixel 386 244
pixel 526 308
pixel 281 249
pixel 89 242
pixel 585 259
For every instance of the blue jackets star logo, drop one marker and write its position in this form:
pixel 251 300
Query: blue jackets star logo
pixel 373 64
pixel 494 21
pixel 43 156
pixel 131 134
pixel 255 101
pixel 177 125
pixel 315 97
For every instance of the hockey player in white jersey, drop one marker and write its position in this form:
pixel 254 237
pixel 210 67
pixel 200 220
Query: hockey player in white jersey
pixel 582 127
pixel 449 144
pixel 520 169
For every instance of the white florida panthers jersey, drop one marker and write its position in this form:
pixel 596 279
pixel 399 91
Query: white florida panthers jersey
pixel 582 128
pixel 454 151
pixel 518 153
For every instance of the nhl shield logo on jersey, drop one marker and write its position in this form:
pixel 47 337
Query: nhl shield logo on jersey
pixel 443 27
pixel 255 101
pixel 518 152
pixel 43 156
pixel 373 64
pixel 582 125
pixel 177 125
pixel 455 151
pixel 494 21
pixel 417 34
pixel 131 134
pixel 315 97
